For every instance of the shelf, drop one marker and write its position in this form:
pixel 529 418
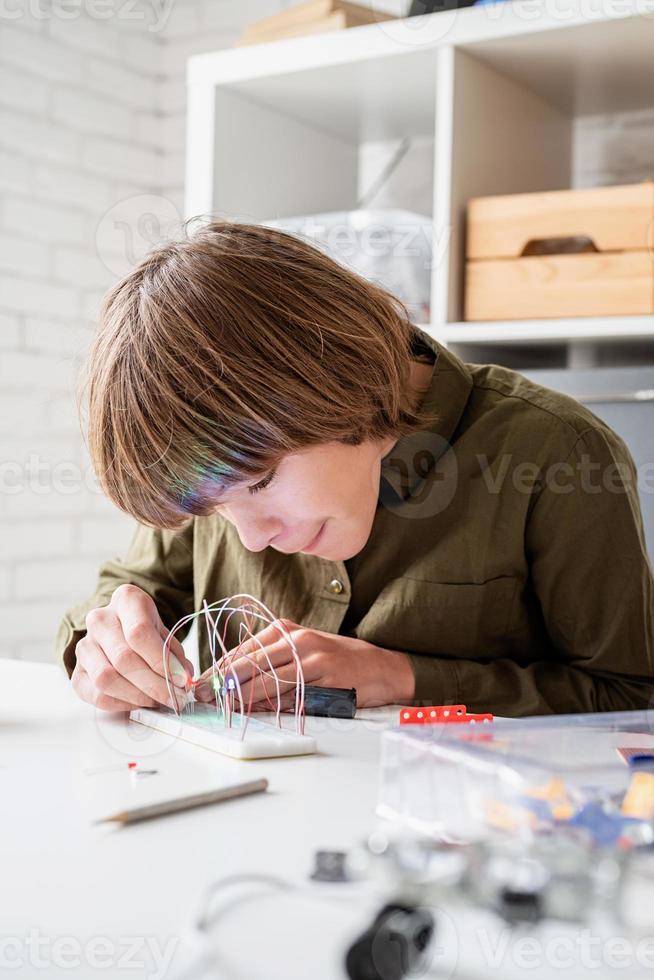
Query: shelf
pixel 280 129
pixel 586 69
pixel 383 98
pixel 573 330
pixel 584 60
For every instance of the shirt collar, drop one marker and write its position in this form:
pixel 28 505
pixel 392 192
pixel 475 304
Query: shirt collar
pixel 445 401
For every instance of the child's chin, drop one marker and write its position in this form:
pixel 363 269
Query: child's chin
pixel 336 553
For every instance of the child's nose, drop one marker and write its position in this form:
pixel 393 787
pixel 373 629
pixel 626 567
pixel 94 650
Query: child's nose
pixel 257 534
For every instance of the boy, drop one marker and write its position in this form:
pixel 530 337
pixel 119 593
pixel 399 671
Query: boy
pixel 430 530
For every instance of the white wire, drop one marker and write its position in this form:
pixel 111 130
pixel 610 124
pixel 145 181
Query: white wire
pixel 212 614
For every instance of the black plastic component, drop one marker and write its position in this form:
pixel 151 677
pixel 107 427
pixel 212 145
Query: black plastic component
pixel 330 702
pixel 393 945
pixel 420 7
pixel 520 906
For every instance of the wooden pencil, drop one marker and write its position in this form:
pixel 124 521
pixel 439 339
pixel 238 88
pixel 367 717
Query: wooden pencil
pixel 149 811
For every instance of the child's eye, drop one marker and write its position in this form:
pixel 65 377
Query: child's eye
pixel 262 484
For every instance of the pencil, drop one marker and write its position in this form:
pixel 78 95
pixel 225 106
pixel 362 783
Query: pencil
pixel 185 802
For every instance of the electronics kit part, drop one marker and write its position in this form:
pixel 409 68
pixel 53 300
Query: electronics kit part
pixel 635 756
pixel 131 767
pixel 608 823
pixel 330 866
pixel 638 801
pixel 393 946
pixel 330 702
pixel 439 714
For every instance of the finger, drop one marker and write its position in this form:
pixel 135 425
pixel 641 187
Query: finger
pixel 286 703
pixel 271 635
pixel 265 656
pixel 136 688
pixel 141 625
pixel 87 692
pixel 241 667
pixel 108 634
pixel 177 651
pixel 262 687
pixel 240 664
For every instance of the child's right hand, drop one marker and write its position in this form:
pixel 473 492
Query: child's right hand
pixel 120 660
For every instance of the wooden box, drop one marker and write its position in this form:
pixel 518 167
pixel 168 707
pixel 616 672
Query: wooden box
pixel 312 17
pixel 561 254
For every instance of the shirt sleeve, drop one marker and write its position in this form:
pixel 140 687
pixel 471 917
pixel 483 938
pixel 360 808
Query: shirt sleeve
pixel 159 562
pixel 590 572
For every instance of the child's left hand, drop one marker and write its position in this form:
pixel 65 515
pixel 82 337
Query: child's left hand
pixel 328 660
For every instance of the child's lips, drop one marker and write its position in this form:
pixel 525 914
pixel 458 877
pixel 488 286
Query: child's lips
pixel 314 541
pixel 280 546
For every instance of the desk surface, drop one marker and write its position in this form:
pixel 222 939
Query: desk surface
pixel 85 900
pixel 66 878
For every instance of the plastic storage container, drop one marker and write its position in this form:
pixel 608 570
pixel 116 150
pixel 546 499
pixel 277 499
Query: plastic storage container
pixel 593 772
pixel 392 248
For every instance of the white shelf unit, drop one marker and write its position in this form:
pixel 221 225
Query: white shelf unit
pixel 276 130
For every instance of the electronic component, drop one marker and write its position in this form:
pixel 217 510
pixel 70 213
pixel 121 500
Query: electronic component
pixel 441 714
pixel 330 866
pixel 226 725
pixel 393 945
pixel 244 738
pixel 330 702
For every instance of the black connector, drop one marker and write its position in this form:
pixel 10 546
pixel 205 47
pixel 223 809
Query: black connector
pixel 393 946
pixel 330 702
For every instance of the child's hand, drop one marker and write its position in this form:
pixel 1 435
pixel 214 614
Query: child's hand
pixel 119 661
pixel 328 660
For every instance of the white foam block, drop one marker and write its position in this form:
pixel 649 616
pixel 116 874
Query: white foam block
pixel 204 726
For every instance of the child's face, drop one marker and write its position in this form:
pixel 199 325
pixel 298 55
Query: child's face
pixel 321 501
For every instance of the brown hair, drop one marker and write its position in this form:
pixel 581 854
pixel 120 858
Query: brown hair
pixel 223 352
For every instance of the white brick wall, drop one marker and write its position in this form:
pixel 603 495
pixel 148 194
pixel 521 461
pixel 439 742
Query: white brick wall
pixel 92 112
pixel 70 93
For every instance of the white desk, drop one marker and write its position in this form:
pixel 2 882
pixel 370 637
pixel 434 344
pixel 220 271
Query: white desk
pixel 65 884
pixel 64 877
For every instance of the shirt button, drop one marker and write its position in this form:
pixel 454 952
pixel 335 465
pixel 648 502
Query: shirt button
pixel 335 586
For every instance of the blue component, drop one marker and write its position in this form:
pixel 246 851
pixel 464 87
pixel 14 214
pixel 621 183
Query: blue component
pixel 606 828
pixel 644 760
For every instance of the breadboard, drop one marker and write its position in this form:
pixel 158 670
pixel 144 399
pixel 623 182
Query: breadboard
pixel 204 726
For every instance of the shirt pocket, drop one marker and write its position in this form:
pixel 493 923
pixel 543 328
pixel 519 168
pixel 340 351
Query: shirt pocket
pixel 444 619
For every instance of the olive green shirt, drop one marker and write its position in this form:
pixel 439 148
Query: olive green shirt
pixel 506 557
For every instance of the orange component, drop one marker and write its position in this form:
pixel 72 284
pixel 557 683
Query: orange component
pixel 639 798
